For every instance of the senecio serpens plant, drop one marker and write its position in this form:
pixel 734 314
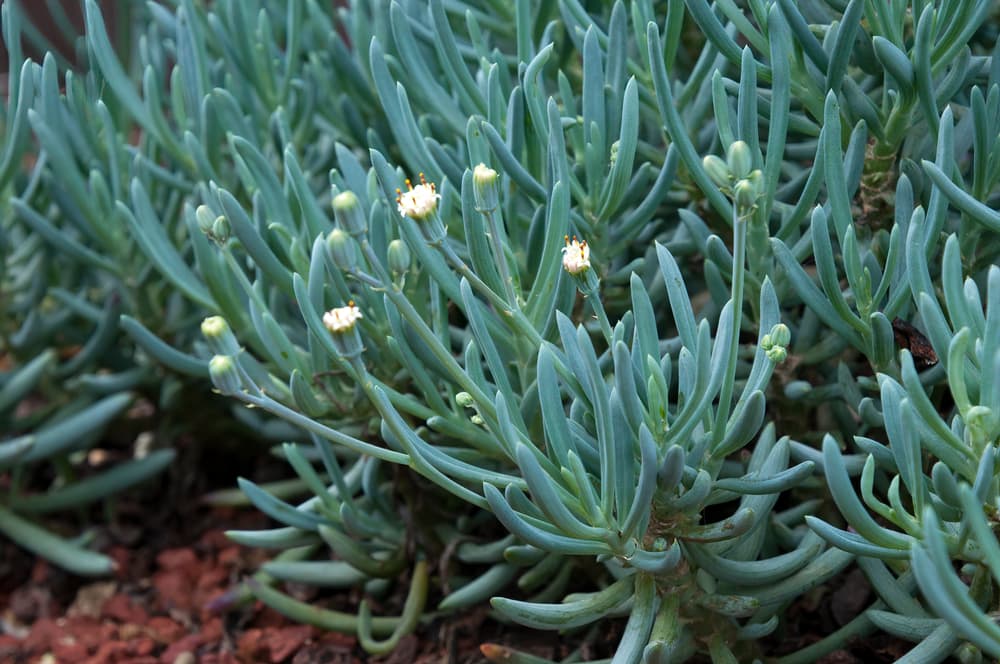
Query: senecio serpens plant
pixel 60 384
pixel 664 280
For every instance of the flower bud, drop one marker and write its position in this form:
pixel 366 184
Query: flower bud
pixel 349 214
pixel 225 375
pixel 717 171
pixel 777 354
pixel 477 420
pixel 780 335
pixel 340 247
pixel 745 195
pixel 398 257
pixel 774 343
pixel 220 230
pixel 613 153
pixel 215 227
pixel 484 181
pixel 968 653
pixel 464 399
pixel 219 336
pixel 739 159
pixel 205 217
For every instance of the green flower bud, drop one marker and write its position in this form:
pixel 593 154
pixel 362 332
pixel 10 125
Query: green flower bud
pixel 340 247
pixel 774 342
pixel 969 654
pixel 220 230
pixel 718 171
pixel 777 354
pixel 477 420
pixel 398 256
pixel 484 181
pixel 225 375
pixel 219 336
pixel 215 227
pixel 349 214
pixel 739 159
pixel 613 153
pixel 780 335
pixel 745 195
pixel 464 399
pixel 205 217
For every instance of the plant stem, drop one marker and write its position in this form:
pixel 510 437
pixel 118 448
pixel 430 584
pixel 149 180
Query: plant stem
pixel 736 301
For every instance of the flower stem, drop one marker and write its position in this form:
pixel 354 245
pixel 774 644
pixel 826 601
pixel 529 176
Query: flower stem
pixel 736 301
pixel 428 336
pixel 496 241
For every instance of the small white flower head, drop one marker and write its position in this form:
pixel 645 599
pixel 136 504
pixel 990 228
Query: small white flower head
pixel 484 188
pixel 483 175
pixel 342 319
pixel 219 336
pixel 224 374
pixel 576 256
pixel 417 202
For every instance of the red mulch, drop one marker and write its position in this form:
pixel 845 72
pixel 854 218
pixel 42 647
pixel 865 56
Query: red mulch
pixel 158 613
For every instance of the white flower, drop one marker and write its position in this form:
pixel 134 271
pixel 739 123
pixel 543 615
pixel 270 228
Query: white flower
pixel 342 319
pixel 417 202
pixel 484 188
pixel 576 256
pixel 483 174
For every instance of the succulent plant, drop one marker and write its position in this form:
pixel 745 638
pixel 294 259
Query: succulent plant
pixel 63 377
pixel 547 287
